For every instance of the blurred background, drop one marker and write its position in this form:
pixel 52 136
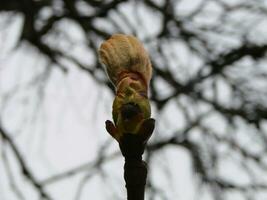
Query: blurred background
pixel 208 94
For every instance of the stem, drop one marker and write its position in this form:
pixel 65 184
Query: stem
pixel 135 173
pixel 135 170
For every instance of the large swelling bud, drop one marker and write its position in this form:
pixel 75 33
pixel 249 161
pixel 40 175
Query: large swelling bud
pixel 122 54
pixel 129 69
